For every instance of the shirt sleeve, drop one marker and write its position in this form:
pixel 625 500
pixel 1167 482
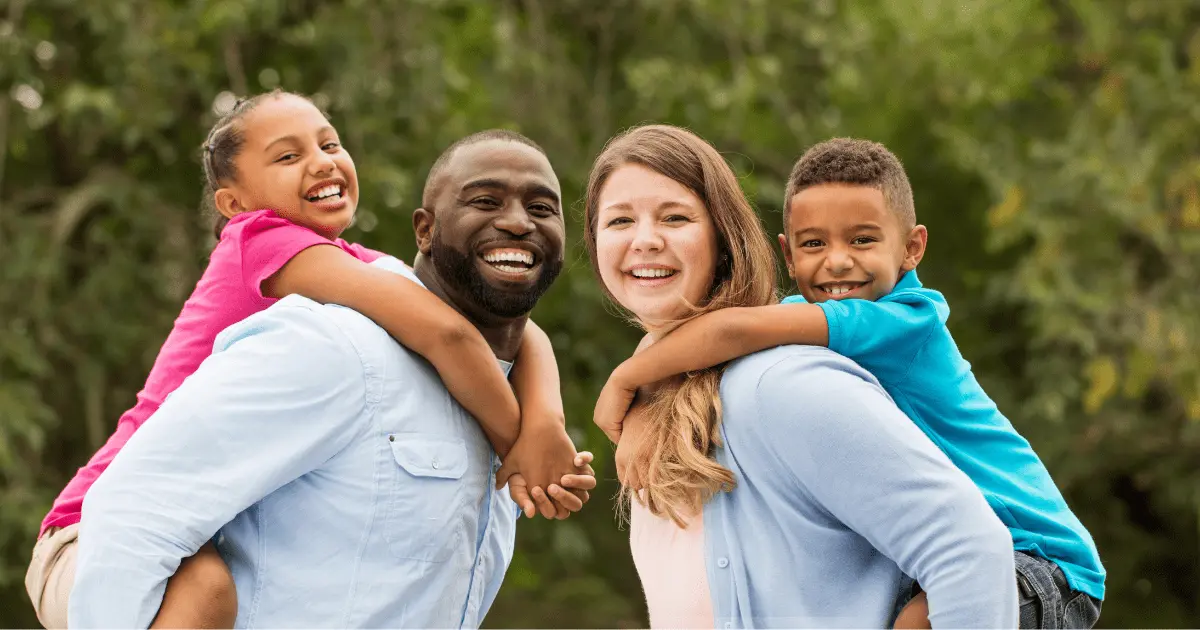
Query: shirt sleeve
pixel 268 242
pixel 865 463
pixel 884 336
pixel 278 398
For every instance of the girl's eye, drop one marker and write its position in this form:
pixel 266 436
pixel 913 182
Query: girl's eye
pixel 287 156
pixel 811 243
pixel 330 145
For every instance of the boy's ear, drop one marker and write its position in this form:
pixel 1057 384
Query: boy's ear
pixel 787 255
pixel 423 228
pixel 227 203
pixel 914 249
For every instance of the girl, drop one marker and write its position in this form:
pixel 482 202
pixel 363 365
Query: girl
pixel 284 189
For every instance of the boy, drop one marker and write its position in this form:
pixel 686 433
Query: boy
pixel 852 245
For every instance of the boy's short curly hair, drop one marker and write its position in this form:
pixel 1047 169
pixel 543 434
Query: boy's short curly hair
pixel 857 162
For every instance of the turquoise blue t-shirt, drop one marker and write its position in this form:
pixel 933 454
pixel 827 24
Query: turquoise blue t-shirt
pixel 903 340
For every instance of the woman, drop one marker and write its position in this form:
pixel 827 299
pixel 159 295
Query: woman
pixel 784 489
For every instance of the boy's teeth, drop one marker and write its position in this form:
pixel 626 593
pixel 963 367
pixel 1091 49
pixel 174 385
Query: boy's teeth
pixel 653 273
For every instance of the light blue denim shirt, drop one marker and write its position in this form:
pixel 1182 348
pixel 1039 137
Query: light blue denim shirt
pixel 349 488
pixel 839 494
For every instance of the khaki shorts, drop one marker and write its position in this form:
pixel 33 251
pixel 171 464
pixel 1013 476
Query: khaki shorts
pixel 51 575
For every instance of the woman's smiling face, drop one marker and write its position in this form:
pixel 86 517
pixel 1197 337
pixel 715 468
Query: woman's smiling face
pixel 656 245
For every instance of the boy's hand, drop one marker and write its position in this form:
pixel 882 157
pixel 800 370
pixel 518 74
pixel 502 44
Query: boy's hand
pixel 612 405
pixel 542 454
pixel 571 495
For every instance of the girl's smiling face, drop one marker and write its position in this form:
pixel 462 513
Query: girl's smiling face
pixel 656 245
pixel 291 161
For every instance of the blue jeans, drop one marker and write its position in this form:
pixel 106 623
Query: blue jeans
pixel 1046 600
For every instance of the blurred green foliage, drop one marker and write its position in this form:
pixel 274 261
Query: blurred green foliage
pixel 1054 147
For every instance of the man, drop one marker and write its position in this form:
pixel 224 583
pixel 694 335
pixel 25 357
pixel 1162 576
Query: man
pixel 348 486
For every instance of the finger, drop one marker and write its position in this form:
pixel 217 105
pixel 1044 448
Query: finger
pixel 520 495
pixel 579 482
pixel 583 458
pixel 544 504
pixel 503 474
pixel 565 498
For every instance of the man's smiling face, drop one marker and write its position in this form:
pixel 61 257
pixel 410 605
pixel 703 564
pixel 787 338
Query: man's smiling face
pixel 497 233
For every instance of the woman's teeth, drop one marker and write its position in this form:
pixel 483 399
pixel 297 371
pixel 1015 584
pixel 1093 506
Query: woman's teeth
pixel 652 273
pixel 327 191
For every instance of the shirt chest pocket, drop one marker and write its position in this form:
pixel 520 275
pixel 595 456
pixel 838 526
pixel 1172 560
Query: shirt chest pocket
pixel 428 503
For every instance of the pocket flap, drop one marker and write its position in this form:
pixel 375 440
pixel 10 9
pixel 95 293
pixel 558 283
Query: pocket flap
pixel 426 456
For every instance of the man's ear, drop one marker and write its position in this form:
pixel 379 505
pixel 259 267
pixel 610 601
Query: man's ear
pixel 914 249
pixel 423 228
pixel 227 203
pixel 787 255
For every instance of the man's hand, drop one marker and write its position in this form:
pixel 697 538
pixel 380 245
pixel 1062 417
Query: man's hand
pixel 612 405
pixel 570 496
pixel 542 454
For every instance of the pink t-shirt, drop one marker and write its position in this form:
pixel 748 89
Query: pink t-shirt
pixel 670 563
pixel 253 246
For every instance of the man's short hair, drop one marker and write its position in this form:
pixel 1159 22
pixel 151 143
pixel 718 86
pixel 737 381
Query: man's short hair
pixel 481 136
pixel 856 162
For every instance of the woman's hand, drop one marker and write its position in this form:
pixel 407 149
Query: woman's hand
pixel 634 433
pixel 612 405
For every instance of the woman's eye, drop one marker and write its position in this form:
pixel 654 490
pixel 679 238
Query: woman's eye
pixel 619 221
pixel 676 218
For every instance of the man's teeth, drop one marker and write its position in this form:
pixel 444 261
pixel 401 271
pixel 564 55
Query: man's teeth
pixel 653 273
pixel 327 191
pixel 509 256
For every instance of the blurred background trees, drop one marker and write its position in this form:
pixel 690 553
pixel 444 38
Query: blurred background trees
pixel 1054 148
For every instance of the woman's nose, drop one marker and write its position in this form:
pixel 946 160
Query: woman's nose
pixel 646 237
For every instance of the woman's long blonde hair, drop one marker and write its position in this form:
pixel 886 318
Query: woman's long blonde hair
pixel 675 462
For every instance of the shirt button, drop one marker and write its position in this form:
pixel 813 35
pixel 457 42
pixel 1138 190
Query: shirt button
pixel 723 562
pixel 435 463
pixel 728 624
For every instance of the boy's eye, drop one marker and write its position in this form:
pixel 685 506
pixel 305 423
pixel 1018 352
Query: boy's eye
pixel 862 240
pixel 811 243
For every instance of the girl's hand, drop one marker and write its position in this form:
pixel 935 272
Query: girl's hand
pixel 612 406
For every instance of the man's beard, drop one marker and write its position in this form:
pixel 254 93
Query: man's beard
pixel 461 271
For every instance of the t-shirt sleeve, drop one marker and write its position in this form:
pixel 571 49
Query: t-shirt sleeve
pixel 268 242
pixel 365 254
pixel 884 336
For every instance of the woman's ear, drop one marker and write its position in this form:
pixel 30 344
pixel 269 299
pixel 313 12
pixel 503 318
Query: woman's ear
pixel 914 249
pixel 227 203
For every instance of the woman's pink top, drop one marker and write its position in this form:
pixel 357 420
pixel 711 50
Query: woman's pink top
pixel 253 246
pixel 670 563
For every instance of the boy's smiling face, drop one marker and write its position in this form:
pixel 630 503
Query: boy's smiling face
pixel 843 242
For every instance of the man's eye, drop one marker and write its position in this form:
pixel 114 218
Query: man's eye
pixel 486 202
pixel 543 208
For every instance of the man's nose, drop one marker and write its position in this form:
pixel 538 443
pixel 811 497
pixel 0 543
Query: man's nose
pixel 646 237
pixel 515 220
